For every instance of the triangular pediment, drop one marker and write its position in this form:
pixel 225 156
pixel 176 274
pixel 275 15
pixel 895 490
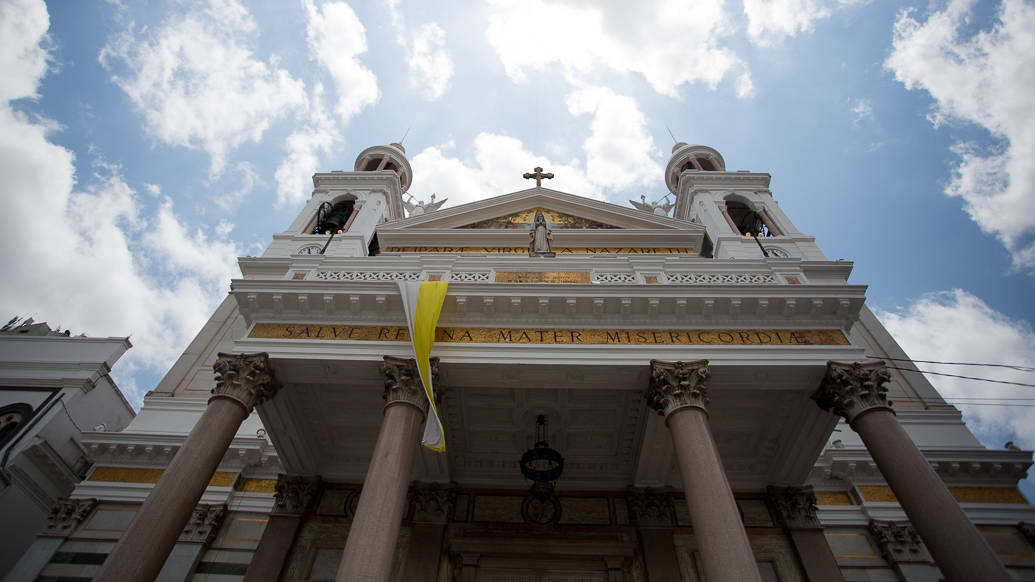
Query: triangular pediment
pixel 502 224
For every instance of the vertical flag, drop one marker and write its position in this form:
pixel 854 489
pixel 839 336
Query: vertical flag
pixel 422 302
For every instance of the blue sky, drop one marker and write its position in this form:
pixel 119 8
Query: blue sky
pixel 144 146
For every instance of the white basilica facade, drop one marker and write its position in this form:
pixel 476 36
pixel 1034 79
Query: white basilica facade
pixel 719 405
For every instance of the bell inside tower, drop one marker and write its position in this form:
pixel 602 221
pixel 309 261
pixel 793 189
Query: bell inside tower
pixel 333 219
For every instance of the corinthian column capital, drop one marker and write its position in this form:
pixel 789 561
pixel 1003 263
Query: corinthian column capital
pixel 246 378
pixel 795 506
pixel 676 385
pixel 850 389
pixel 402 382
pixel 294 493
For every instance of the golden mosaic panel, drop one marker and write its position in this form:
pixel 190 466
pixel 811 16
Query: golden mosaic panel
pixel 833 498
pixel 511 335
pixel 559 250
pixel 259 485
pixel 524 218
pixel 498 508
pixel 962 494
pixel 517 277
pixel 138 475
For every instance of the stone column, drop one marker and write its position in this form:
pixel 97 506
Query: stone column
pixel 857 392
pixel 370 546
pixel 677 390
pixel 63 521
pixel 904 551
pixel 242 381
pixel 796 510
pixel 432 509
pixel 654 516
pixel 294 494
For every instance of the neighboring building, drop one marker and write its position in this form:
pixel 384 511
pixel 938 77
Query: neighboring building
pixel 52 387
pixel 687 373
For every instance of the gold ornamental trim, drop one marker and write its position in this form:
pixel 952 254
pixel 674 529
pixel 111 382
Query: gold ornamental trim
pixel 961 494
pixel 833 498
pixel 559 250
pixel 534 277
pixel 259 485
pixel 138 475
pixel 565 336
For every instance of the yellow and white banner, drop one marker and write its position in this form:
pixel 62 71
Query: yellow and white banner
pixel 423 304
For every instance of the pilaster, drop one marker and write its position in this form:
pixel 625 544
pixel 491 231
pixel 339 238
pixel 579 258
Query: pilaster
pixel 294 494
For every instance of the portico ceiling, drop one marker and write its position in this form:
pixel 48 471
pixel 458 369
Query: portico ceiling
pixel 326 418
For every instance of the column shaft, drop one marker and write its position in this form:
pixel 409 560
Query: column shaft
pixel 960 551
pixel 143 548
pixel 273 548
pixel 375 528
pixel 725 551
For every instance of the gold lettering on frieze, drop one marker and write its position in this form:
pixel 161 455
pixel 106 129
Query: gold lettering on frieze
pixel 509 335
pixel 572 277
pixel 559 250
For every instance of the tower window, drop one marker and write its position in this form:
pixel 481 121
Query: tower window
pixel 334 218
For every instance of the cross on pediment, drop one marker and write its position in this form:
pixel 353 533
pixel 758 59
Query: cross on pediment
pixel 539 177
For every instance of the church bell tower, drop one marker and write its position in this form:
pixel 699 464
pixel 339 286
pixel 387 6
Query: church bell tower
pixel 735 207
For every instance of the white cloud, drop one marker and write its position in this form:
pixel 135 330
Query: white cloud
pixel 497 168
pixel 88 258
pixel 23 25
pixel 619 150
pixel 956 326
pixel 771 21
pixel 431 66
pixel 667 41
pixel 337 38
pixel 196 82
pixel 984 78
pixel 862 110
pixel 319 136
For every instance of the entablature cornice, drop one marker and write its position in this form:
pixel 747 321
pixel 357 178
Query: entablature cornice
pixel 954 466
pixel 696 179
pixel 141 449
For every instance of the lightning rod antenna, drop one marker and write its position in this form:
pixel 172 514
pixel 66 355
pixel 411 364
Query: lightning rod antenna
pixel 404 136
pixel 674 140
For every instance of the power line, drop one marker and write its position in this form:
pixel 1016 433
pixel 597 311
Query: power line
pixel 1012 367
pixel 963 377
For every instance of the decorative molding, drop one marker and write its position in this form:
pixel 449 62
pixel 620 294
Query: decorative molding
pixel 795 507
pixel 364 275
pixel 294 493
pixel 675 385
pixel 246 378
pixel 204 524
pixel 850 389
pixel 651 508
pixel 433 502
pixel 67 514
pixel 695 278
pixel 899 542
pixel 403 384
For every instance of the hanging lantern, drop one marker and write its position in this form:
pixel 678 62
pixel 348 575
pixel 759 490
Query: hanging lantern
pixel 540 464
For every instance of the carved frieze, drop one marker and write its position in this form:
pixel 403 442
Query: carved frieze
pixel 67 514
pixel 795 507
pixel 898 541
pixel 246 378
pixel 204 524
pixel 675 385
pixel 402 382
pixel 295 493
pixel 432 502
pixel 849 389
pixel 651 508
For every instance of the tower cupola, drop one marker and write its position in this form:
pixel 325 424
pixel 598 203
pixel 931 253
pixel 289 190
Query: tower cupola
pixel 390 157
pixel 691 157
